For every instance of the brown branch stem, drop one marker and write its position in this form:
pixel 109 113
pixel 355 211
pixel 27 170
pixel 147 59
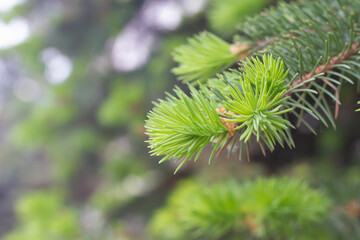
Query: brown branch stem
pixel 325 68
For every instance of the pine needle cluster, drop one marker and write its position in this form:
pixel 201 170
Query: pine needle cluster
pixel 203 57
pixel 180 126
pixel 255 102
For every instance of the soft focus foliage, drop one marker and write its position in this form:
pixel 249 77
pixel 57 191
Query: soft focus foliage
pixel 225 15
pixel 122 104
pixel 259 208
pixel 43 216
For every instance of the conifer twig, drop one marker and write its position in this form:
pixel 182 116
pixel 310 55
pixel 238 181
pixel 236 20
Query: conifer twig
pixel 323 68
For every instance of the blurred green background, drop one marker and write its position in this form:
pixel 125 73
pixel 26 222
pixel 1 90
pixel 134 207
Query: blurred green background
pixel 77 78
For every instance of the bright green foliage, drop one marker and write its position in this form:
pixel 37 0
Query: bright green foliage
pixel 269 70
pixel 255 102
pixel 266 208
pixel 225 15
pixel 180 126
pixel 359 108
pixel 42 216
pixel 318 53
pixel 203 57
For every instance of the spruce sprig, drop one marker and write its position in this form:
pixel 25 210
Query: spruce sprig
pixel 181 126
pixel 202 57
pixel 256 101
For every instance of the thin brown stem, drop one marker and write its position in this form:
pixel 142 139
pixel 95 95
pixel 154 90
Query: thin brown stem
pixel 325 68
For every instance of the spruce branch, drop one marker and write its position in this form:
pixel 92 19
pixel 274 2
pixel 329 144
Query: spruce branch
pixel 321 51
pixel 298 67
pixel 284 20
pixel 323 69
